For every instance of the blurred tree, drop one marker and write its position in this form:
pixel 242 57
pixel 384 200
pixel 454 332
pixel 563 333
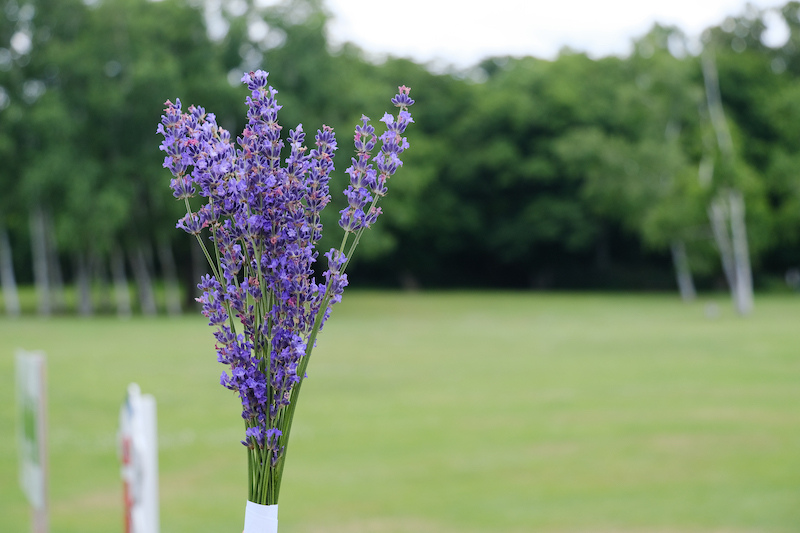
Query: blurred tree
pixel 573 172
pixel 499 212
pixel 749 170
pixel 84 148
pixel 140 54
pixel 29 117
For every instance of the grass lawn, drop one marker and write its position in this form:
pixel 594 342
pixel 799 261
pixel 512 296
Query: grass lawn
pixel 445 413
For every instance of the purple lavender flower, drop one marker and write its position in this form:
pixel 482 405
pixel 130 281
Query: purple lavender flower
pixel 368 184
pixel 263 216
pixel 403 100
pixel 191 223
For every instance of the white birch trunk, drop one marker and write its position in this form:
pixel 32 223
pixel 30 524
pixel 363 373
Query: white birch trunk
pixel 7 278
pixel 733 246
pixel 741 255
pixel 41 277
pixel 730 233
pixel 683 273
pixel 705 173
pixel 718 216
pixel 714 100
pixel 121 293
pixel 172 293
pixel 144 281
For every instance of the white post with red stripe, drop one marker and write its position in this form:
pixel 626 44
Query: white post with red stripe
pixel 138 447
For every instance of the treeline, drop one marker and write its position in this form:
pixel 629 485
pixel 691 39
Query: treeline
pixel 681 159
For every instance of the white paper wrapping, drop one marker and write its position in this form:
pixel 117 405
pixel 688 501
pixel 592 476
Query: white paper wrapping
pixel 260 518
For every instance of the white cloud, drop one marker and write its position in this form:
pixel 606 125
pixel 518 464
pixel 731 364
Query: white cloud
pixel 463 32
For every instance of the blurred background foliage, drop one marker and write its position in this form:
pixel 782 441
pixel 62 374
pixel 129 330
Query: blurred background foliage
pixel 567 173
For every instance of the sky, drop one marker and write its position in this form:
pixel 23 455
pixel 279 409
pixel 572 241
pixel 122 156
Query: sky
pixel 461 33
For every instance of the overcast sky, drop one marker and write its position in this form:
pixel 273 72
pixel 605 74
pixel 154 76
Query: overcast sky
pixel 462 32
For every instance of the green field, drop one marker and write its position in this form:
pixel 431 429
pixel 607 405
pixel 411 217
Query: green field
pixel 444 413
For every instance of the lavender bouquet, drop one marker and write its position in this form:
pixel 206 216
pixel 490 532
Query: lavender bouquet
pixel 263 222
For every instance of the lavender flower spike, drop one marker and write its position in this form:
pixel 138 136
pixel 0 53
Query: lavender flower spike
pixel 262 206
pixel 369 184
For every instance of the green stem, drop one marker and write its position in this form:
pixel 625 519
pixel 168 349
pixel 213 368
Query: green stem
pixel 250 494
pixel 358 235
pixel 271 486
pixel 285 424
pixel 202 244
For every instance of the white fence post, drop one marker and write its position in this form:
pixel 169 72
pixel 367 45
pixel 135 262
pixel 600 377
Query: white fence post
pixel 31 382
pixel 138 446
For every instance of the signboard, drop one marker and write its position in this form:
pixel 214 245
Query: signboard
pixel 32 433
pixel 138 447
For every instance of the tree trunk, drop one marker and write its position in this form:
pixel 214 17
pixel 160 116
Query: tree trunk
pixel 144 281
pixel 714 100
pixel 718 216
pixel 727 210
pixel 39 255
pixel 7 278
pixel 705 172
pixel 99 273
pixel 121 293
pixel 741 255
pixel 172 293
pixel 84 285
pixel 683 273
pixel 54 266
pixel 730 233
